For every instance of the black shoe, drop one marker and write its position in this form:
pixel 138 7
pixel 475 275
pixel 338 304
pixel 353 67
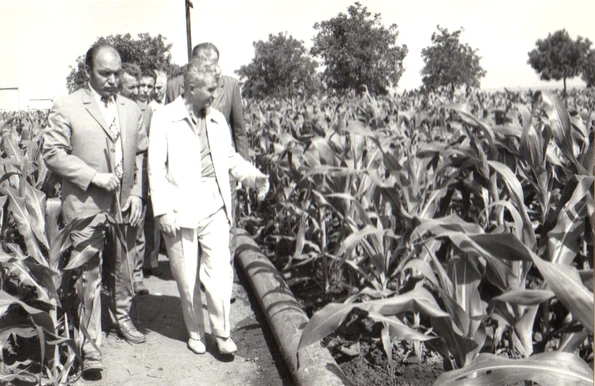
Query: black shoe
pixel 152 271
pixel 128 332
pixel 140 289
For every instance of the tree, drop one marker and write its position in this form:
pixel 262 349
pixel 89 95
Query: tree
pixel 281 68
pixel 450 63
pixel 588 72
pixel 357 49
pixel 559 57
pixel 146 51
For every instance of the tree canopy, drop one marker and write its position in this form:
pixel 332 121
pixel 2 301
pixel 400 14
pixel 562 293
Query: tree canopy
pixel 589 69
pixel 450 63
pixel 281 68
pixel 559 57
pixel 146 51
pixel 357 49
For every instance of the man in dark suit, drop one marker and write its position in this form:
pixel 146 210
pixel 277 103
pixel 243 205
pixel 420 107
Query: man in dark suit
pixel 228 99
pixel 96 142
pixel 129 87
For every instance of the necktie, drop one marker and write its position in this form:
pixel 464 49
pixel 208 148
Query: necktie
pixel 114 130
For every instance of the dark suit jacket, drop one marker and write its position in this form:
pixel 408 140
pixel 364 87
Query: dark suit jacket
pixel 174 88
pixel 77 146
pixel 228 100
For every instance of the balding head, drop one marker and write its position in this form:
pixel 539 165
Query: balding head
pixel 94 51
pixel 207 54
pixel 103 66
pixel 205 50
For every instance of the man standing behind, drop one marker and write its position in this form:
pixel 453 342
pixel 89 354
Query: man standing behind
pixel 129 81
pixel 228 99
pixel 146 87
pixel 194 210
pixel 94 141
pixel 129 88
pixel 158 98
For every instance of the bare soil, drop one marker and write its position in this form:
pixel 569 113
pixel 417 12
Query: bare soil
pixel 164 358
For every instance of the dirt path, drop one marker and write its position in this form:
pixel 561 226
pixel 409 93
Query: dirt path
pixel 165 360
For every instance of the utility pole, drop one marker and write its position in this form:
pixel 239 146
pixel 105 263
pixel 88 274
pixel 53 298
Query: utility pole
pixel 188 31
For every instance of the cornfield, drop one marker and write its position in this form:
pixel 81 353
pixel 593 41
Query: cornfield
pixel 464 228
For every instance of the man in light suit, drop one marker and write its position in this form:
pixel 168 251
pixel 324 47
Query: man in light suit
pixel 96 142
pixel 190 159
pixel 228 100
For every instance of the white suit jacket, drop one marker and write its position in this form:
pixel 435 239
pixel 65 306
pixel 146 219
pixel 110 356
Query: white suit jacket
pixel 174 162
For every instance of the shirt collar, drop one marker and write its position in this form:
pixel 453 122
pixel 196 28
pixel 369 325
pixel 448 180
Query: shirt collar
pixel 98 97
pixel 181 112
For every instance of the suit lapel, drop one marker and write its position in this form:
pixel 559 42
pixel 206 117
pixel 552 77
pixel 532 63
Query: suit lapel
pixel 123 118
pixel 219 95
pixel 91 106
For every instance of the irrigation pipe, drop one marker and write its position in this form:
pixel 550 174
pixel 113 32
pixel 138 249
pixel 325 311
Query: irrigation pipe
pixel 286 319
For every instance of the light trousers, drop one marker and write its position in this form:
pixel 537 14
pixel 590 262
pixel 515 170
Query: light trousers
pixel 202 255
pixel 111 259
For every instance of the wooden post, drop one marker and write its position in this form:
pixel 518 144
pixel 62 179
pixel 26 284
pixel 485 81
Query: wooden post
pixel 188 30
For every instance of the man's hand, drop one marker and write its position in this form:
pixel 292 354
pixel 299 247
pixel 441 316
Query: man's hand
pixel 135 204
pixel 261 184
pixel 167 223
pixel 107 181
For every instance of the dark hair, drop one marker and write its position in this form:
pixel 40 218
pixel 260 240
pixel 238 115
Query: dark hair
pixel 202 47
pixel 131 69
pixel 148 72
pixel 93 51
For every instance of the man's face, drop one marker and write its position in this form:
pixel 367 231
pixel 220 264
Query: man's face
pixel 159 91
pixel 147 84
pixel 129 86
pixel 104 75
pixel 202 97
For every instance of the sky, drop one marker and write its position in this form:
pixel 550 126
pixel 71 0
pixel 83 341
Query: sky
pixel 41 39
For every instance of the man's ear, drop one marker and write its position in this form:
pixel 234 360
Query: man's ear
pixel 88 71
pixel 190 89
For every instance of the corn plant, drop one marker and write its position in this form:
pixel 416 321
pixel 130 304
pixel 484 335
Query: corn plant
pixel 37 278
pixel 473 201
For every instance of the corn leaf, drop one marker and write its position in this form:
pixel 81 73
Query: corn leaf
pixel 62 241
pixel 18 208
pixel 330 317
pixel 39 317
pixel 81 257
pixel 53 209
pixel 35 202
pixel 547 369
pixel 503 276
pixel 525 297
pixel 567 285
pixel 516 192
pixel 398 330
pixel 458 345
pixel 564 241
pixel 424 268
